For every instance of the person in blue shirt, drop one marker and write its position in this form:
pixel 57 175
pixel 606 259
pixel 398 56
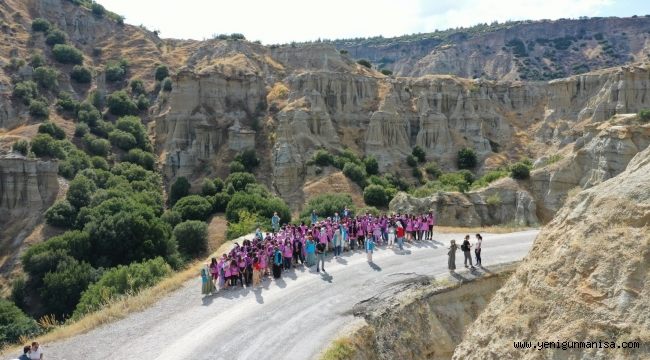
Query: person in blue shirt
pixel 275 222
pixel 370 247
pixel 314 217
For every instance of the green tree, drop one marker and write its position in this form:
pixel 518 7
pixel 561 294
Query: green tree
pixel 162 72
pixel 236 167
pixel 433 169
pixel 62 289
pixel 56 37
pixel 61 214
pixel 219 184
pixel 122 139
pixel 97 9
pixel 467 158
pixel 355 173
pixel 419 154
pixel 644 115
pixel 249 159
pixel 179 189
pixel 375 195
pixel 81 129
pixel 52 129
pixel 327 204
pixel 21 146
pixel 67 54
pixel 100 147
pixel 39 109
pixel 371 164
pixel 220 202
pixel 364 62
pixel 520 171
pixel 41 25
pixel 25 91
pixel 192 238
pixel 322 158
pixel 142 158
pixel 81 74
pixel 239 180
pixel 120 104
pixel 193 207
pixel 167 84
pixel 208 188
pixel 137 87
pixel 14 324
pixel 46 77
pixel 411 161
pixel 80 191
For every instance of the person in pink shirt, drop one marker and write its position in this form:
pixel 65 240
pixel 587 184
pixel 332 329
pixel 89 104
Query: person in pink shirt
pixel 287 254
pixel 424 227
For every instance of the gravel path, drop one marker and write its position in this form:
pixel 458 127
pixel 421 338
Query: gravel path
pixel 291 318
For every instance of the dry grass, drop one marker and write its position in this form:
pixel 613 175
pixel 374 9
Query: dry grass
pixel 339 349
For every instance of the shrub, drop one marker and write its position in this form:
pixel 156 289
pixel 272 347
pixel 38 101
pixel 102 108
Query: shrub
pixel 467 158
pixel 75 161
pixel 327 204
pixel 247 224
pixel 644 115
pixel 37 60
pixel 116 71
pixel 411 161
pixel 56 37
pixel 97 9
pixel 433 169
pixel 208 188
pixel 193 207
pixel 220 202
pixel 122 139
pixel 120 104
pixel 119 281
pixel 80 191
pixel 192 238
pixel 100 147
pixel 236 166
pixel 171 217
pixel 66 102
pixel 52 129
pixel 419 153
pixel 180 188
pixel 67 54
pixel 489 177
pixel 20 146
pixel 162 72
pixel 239 180
pixel 41 25
pixel 322 157
pixel 454 182
pixel 520 171
pixel 133 125
pixel 46 77
pixel 14 324
pixel 61 214
pixel 90 115
pixel 81 129
pixel 237 36
pixel 257 204
pixel 39 109
pixel 45 145
pixel 371 165
pixel 167 84
pixel 219 185
pixel 26 91
pixel 62 289
pixel 386 72
pixel 493 200
pixel 249 159
pixel 364 62
pixel 81 74
pixel 142 158
pixel 137 87
pixel 143 102
pixel 98 162
pixel 355 173
pixel 375 195
pixel 18 293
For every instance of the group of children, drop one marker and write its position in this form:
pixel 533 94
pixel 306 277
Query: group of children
pixel 289 245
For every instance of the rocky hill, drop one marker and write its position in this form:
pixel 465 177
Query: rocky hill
pixel 525 50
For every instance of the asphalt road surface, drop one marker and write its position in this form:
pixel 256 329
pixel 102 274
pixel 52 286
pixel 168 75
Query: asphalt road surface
pixel 295 317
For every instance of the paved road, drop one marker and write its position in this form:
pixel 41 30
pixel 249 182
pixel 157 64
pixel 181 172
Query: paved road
pixel 293 318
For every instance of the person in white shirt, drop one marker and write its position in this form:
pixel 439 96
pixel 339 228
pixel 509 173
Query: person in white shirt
pixel 37 352
pixel 477 249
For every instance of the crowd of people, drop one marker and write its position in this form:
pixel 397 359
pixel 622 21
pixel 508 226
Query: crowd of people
pixel 269 254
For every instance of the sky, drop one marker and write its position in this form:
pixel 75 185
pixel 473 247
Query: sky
pixel 283 21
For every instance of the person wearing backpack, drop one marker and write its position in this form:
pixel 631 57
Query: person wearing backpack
pixel 466 247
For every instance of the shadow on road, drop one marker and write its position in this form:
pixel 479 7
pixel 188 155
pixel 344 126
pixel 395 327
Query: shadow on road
pixel 326 277
pixel 374 266
pixel 341 260
pixel 258 296
pixel 458 276
pixel 401 252
pixel 290 274
pixel 280 283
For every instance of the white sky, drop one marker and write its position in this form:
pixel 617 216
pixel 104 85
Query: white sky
pixel 283 21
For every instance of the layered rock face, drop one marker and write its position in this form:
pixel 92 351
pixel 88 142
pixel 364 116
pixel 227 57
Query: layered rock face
pixel 586 279
pixel 502 203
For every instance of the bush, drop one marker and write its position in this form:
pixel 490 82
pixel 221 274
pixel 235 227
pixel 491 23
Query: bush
pixel 433 169
pixel 18 294
pixel 67 54
pixel 171 217
pixel 81 129
pixel 37 60
pixel 116 71
pixel 45 145
pixel 41 25
pixel 208 188
pixel 122 139
pixel 520 171
pixel 97 9
pixel 142 158
pixel 364 62
pixel 80 191
pixel 220 202
pixel 375 195
pixel 493 200
pixel 162 72
pixel 98 162
pixel 39 109
pixel 386 72
pixel 247 224
pixel 167 85
pixel 61 214
pixel 119 281
pixel 454 182
pixel 66 102
pixel 489 177
pixel 239 180
pixel 327 204
pixel 236 166
pixel 192 238
pixel 75 161
pixel 56 37
pixel 371 165
pixel 179 189
pixel 120 104
pixel 52 129
pixel 411 161
pixel 467 158
pixel 219 185
pixel 419 154
pixel 249 159
pixel 25 91
pixel 257 204
pixel 81 74
pixel 644 115
pixel 355 173
pixel 322 158
pixel 14 324
pixel 100 147
pixel 91 116
pixel 143 102
pixel 133 125
pixel 21 146
pixel 62 289
pixel 137 87
pixel 193 207
pixel 46 77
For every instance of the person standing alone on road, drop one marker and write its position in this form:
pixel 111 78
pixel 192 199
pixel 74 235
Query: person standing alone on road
pixel 477 249
pixel 451 262
pixel 400 236
pixel 320 251
pixel 370 247
pixel 467 248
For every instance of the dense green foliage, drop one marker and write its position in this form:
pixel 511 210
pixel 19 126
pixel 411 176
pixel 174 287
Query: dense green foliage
pixel 356 173
pixel 141 157
pixel 167 84
pixel 119 103
pixel 364 62
pixel 644 115
pixel 25 91
pixel 326 205
pixel 52 129
pixel 193 207
pixel 55 36
pixel 236 166
pixel 371 165
pixel 259 204
pixel 14 324
pixel 62 288
pixel 41 25
pixel 179 189
pixel 161 73
pixel 375 195
pixel 419 154
pixel 249 159
pixel 81 74
pixel 240 180
pixel 39 109
pixel 67 54
pixel 520 170
pixel 21 146
pixel 46 77
pixel 191 237
pixel 61 214
pixel 467 159
pixel 116 70
pixel 322 158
